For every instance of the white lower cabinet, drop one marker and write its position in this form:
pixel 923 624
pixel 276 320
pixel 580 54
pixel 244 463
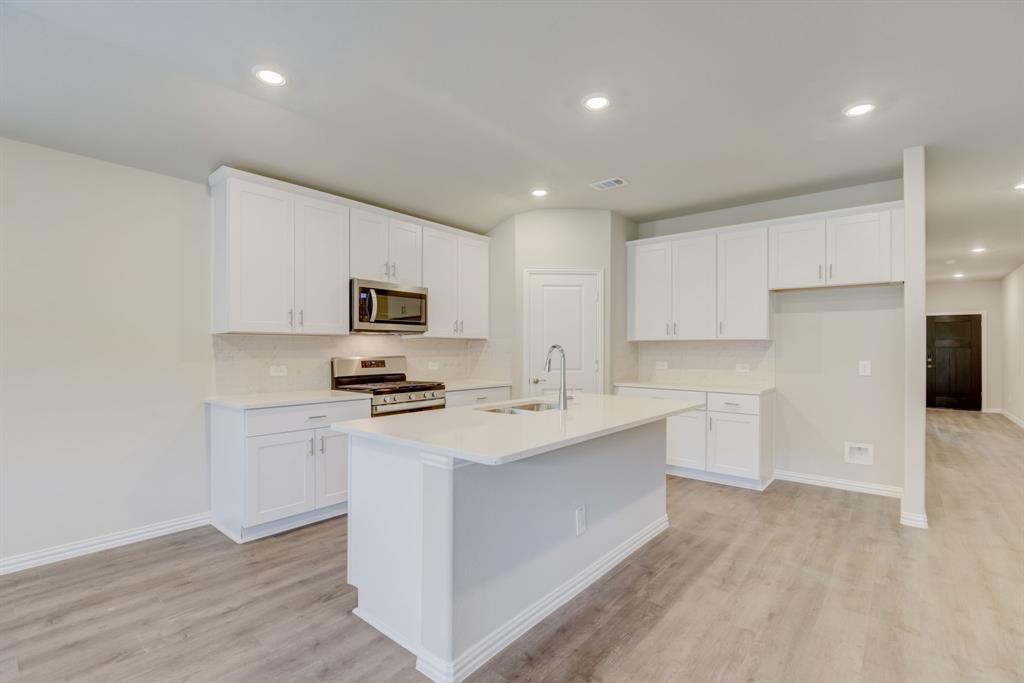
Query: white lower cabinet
pixel 730 443
pixel 469 397
pixel 273 469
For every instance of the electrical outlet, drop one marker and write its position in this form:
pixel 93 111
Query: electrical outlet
pixel 743 367
pixel 581 520
pixel 433 365
pixel 864 368
pixel 278 370
pixel 860 453
pixel 661 365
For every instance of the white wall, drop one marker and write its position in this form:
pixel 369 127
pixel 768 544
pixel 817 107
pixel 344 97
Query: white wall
pixel 977 296
pixel 821 400
pixel 1013 345
pixel 857 195
pixel 106 348
pixel 623 353
pixel 107 355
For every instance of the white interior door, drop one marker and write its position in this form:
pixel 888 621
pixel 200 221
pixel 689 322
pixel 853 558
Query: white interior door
pixel 694 282
pixel 441 278
pixel 564 308
pixel 368 255
pixel 474 288
pixel 331 468
pixel 796 254
pixel 321 266
pixel 405 247
pixel 860 248
pixel 650 277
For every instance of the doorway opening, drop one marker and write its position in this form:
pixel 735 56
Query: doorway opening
pixel 955 361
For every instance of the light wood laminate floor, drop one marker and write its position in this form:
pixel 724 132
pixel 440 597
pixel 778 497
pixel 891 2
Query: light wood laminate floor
pixel 798 583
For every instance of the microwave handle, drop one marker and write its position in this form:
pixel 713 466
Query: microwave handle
pixel 373 305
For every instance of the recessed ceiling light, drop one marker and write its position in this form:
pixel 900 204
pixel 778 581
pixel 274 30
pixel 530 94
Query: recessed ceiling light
pixel 950 262
pixel 859 109
pixel 596 102
pixel 1019 186
pixel 978 250
pixel 958 274
pixel 268 76
pixel 539 193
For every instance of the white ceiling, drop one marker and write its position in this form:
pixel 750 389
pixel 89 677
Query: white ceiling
pixel 454 111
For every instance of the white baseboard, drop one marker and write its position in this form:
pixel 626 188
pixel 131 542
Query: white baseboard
pixel 240 534
pixel 913 519
pixel 441 671
pixel 1011 417
pixel 711 477
pixel 844 484
pixel 36 558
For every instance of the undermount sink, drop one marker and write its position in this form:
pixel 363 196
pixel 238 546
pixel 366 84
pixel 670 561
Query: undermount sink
pixel 522 408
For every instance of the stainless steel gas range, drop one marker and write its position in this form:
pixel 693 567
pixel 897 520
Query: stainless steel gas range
pixel 384 378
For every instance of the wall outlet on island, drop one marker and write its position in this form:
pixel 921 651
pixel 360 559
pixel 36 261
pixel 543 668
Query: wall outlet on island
pixel 278 370
pixel 433 365
pixel 661 365
pixel 743 367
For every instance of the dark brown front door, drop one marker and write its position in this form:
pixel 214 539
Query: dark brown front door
pixel 954 361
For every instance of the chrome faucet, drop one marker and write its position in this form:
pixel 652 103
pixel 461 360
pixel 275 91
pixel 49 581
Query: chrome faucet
pixel 563 399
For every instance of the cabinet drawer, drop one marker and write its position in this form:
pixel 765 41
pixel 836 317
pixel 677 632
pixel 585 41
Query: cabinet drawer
pixel 734 403
pixel 307 416
pixel 470 397
pixel 670 394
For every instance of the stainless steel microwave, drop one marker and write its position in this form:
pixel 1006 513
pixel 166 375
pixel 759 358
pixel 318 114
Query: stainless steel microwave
pixel 388 307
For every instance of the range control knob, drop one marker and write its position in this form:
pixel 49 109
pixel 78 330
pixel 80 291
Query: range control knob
pixel 387 399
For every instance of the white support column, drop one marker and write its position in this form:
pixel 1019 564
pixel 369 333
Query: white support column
pixel 912 508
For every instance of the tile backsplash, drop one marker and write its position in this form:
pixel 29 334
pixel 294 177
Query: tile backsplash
pixel 242 361
pixel 710 362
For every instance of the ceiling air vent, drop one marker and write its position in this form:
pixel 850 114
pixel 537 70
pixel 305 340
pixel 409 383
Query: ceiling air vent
pixel 608 184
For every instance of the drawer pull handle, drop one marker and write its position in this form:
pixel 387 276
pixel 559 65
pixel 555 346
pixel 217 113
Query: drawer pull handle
pixel 730 403
pixel 316 417
pixel 481 398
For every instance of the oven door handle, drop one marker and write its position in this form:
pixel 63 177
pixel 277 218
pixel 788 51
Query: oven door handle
pixel 373 305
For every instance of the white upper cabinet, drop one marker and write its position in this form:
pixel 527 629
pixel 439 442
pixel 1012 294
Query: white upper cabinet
pixel 796 254
pixel 650 296
pixel 369 246
pixel 456 275
pixel 321 266
pixel 474 288
pixel 845 248
pixel 693 288
pixel 405 250
pixel 743 284
pixel 860 248
pixel 385 248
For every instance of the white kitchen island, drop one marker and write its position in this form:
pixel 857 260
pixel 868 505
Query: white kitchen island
pixel 467 527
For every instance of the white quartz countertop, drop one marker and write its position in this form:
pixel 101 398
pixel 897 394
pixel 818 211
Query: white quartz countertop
pixel 470 384
pixel 285 398
pixel 748 389
pixel 470 433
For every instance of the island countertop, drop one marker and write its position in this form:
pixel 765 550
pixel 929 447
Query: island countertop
pixel 471 433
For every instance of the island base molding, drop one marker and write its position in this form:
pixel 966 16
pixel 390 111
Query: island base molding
pixel 714 478
pixel 445 671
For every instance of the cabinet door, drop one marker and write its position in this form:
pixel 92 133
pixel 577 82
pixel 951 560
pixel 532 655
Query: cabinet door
pixel 441 278
pixel 733 445
pixel 743 284
pixel 405 247
pixel 321 266
pixel 796 254
pixel 693 288
pixel 261 243
pixel 685 438
pixel 651 295
pixel 279 475
pixel 331 468
pixel 368 245
pixel 860 248
pixel 474 288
